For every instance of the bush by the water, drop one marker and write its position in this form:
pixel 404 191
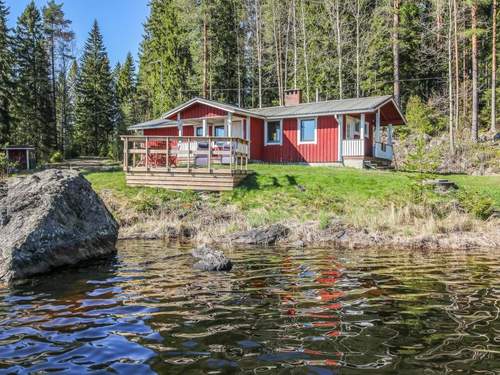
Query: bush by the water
pixel 477 204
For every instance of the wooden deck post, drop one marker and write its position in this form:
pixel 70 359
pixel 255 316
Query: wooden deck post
pixel 205 127
pixel 209 161
pixel 167 163
pixel 125 154
pixel 230 154
pixel 147 153
pixel 377 126
pixel 189 154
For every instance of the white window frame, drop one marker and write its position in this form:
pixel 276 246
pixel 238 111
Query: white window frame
pixel 219 126
pixel 266 143
pixel 351 127
pixel 315 119
pixel 196 129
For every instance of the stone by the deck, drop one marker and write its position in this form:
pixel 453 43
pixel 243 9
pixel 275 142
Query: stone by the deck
pixel 50 219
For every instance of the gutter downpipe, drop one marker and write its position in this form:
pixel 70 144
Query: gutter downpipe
pixel 340 123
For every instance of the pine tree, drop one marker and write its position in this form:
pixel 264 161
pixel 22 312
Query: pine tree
pixel 223 31
pixel 165 60
pixel 5 75
pixel 59 37
pixel 69 113
pixel 32 107
pixel 95 111
pixel 126 91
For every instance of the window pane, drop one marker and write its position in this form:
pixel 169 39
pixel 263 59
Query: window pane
pixel 307 130
pixel 273 132
pixel 199 132
pixel 219 131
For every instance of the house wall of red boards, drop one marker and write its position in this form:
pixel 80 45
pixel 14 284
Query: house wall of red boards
pixel 325 149
pixel 290 151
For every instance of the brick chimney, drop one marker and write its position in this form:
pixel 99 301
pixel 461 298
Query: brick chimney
pixel 293 97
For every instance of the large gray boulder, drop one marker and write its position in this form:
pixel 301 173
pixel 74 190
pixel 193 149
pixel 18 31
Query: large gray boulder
pixel 51 219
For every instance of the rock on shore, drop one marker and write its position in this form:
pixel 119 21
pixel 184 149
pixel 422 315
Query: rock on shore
pixel 211 259
pixel 51 219
pixel 267 235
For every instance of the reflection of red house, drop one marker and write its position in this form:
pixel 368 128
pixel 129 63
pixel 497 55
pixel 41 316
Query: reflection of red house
pixel 294 133
pixel 22 157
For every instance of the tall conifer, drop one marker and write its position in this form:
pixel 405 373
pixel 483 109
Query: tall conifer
pixel 5 75
pixel 32 107
pixel 165 60
pixel 95 108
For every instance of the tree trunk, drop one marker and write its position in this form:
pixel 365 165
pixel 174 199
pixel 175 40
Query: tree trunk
pixel 205 55
pixel 450 79
pixel 287 42
pixel 259 49
pixel 457 70
pixel 395 52
pixel 295 55
pixel 493 126
pixel 238 58
pixel 278 53
pixel 475 94
pixel 53 72
pixel 358 16
pixel 439 20
pixel 339 48
pixel 304 40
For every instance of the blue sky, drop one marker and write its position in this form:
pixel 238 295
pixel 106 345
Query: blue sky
pixel 121 22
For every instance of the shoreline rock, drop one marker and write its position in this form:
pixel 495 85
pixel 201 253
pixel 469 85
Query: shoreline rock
pixel 51 219
pixel 340 235
pixel 211 259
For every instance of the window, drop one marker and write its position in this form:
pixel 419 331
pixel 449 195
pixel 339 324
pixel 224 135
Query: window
pixel 219 131
pixel 307 130
pixel 199 131
pixel 273 133
pixel 353 127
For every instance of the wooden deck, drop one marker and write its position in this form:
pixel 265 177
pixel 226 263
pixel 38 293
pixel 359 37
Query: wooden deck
pixel 185 163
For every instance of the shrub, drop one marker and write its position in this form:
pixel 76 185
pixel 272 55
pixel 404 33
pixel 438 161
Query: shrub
pixel 479 205
pixel 324 220
pixel 56 157
pixel 421 117
pixel 5 165
pixel 145 203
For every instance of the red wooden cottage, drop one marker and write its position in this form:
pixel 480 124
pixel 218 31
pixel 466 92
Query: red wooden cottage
pixel 208 135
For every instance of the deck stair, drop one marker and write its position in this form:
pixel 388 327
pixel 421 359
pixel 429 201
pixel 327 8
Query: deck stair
pixel 379 164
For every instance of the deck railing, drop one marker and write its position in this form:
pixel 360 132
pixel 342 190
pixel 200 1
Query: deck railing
pixel 353 147
pixel 186 154
pixel 383 150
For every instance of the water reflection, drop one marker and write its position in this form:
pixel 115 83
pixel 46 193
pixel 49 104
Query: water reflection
pixel 315 311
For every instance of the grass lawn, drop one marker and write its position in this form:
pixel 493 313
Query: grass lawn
pixel 290 192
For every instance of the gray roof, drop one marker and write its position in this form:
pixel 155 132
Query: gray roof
pixel 355 105
pixel 213 103
pixel 326 107
pixel 157 123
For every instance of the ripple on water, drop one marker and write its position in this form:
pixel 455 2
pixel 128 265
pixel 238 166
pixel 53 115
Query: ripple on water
pixel 310 310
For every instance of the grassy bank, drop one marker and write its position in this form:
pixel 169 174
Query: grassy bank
pixel 375 200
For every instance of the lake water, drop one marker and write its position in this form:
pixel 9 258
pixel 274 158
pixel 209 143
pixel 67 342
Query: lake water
pixel 298 311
